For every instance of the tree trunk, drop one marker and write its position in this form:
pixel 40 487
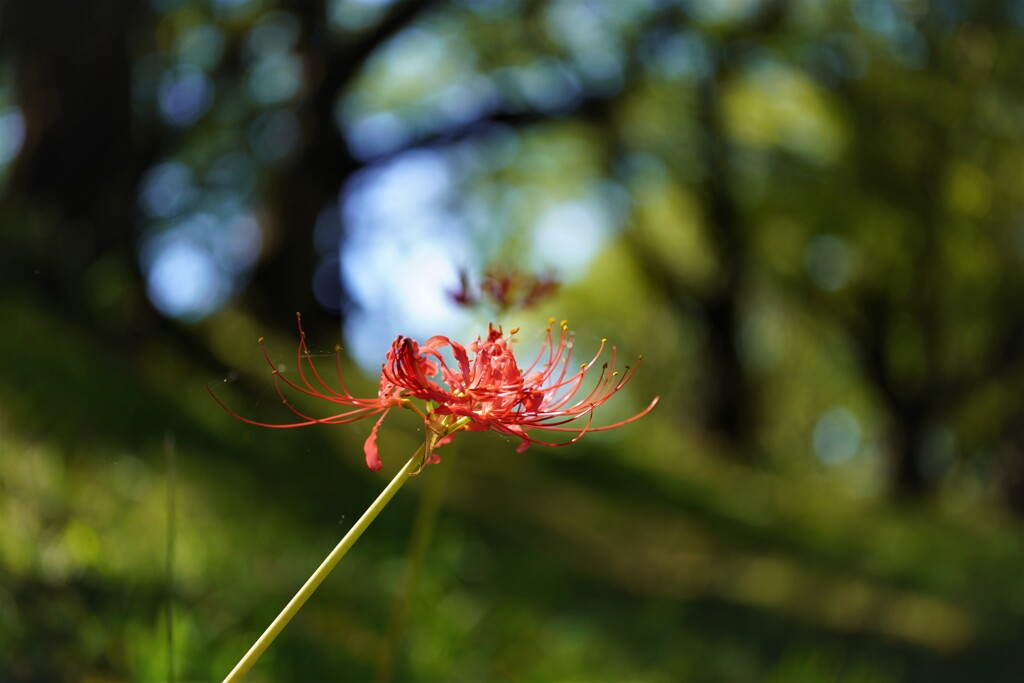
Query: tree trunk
pixel 70 198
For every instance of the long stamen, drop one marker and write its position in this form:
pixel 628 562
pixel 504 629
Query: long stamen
pixel 340 418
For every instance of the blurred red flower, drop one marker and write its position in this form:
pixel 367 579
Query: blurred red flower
pixel 505 288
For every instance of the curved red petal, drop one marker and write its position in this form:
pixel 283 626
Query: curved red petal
pixel 370 447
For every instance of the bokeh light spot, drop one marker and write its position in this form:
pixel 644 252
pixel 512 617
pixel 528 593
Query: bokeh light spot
pixel 275 79
pixel 201 45
pixel 183 281
pixel 12 133
pixel 185 94
pixel 192 264
pixel 569 235
pixel 829 262
pixel 278 32
pixel 236 242
pixel 837 436
pixel 375 134
pixel 355 15
pixel 167 189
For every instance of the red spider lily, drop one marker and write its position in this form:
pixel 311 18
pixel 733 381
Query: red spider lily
pixel 505 288
pixel 488 392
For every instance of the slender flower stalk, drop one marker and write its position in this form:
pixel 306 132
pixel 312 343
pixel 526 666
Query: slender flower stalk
pixel 486 391
pixel 423 525
pixel 314 581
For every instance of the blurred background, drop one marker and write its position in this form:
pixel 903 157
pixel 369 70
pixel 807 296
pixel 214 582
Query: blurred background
pixel 808 216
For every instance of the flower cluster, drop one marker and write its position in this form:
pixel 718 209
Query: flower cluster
pixel 483 389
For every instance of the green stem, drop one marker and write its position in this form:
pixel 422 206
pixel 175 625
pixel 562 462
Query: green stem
pixel 422 534
pixel 314 581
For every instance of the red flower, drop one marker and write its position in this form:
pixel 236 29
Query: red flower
pixel 505 289
pixel 486 392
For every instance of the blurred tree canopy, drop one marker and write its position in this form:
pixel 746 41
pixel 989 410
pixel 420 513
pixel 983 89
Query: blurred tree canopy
pixel 808 215
pixel 849 163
